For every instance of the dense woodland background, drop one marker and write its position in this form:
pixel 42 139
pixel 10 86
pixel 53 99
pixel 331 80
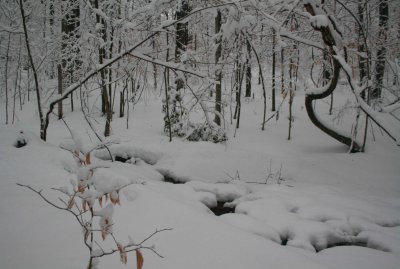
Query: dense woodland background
pixel 202 54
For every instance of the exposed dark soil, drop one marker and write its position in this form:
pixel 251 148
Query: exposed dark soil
pixel 221 209
pixel 121 159
pixel 341 244
pixel 172 180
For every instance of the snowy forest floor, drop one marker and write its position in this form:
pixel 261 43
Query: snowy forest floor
pixel 304 203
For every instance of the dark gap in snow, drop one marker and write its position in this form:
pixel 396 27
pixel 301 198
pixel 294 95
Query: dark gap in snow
pixel 284 240
pixel 359 243
pixel 342 244
pixel 128 155
pixel 221 209
pixel 169 179
pixel 21 141
pixel 294 209
pixel 389 225
pixel 121 159
pixel 20 144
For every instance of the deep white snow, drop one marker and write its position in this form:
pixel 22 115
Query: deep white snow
pixel 304 203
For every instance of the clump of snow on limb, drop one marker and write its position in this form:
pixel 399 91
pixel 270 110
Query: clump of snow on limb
pixel 319 21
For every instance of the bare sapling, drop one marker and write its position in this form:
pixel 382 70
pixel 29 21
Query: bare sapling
pixel 92 205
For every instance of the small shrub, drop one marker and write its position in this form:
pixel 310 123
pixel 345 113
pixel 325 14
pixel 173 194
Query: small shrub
pixel 92 205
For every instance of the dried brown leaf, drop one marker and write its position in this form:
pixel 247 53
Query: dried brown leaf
pixel 114 197
pixel 122 254
pixel 81 187
pixel 139 259
pixel 87 159
pixel 71 203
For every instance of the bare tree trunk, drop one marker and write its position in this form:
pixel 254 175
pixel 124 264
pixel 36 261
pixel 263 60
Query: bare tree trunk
pixel 218 53
pixel 121 103
pixel 127 104
pixel 29 83
pixel 293 71
pixel 381 54
pixel 51 24
pixel 282 70
pixel 263 87
pixel 273 70
pixel 168 119
pixel 361 44
pixel 291 95
pixel 101 52
pixel 72 101
pixel 238 99
pixel 154 68
pixel 364 63
pixel 248 69
pixel 106 105
pixel 237 83
pixel 16 79
pixel 326 76
pixel 110 54
pixel 69 25
pixel 43 126
pixel 20 75
pixel 6 75
pixel 182 38
pixel 60 91
pixel 14 96
pixel 107 128
pixel 329 41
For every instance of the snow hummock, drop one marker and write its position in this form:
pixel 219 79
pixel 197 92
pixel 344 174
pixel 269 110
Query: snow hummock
pixel 128 152
pixel 318 218
pixel 252 225
pixel 225 192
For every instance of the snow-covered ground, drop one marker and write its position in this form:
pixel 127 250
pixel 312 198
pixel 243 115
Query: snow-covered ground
pixel 320 207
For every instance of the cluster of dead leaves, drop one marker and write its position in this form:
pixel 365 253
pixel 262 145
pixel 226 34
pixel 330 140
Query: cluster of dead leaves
pixel 124 258
pixel 105 222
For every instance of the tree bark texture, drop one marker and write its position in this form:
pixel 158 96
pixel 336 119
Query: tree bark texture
pixel 218 53
pixel 381 53
pixel 248 70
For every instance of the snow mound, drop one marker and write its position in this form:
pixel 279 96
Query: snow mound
pixel 173 177
pixel 318 218
pixel 207 198
pixel 106 180
pixel 225 192
pixel 128 152
pixel 382 241
pixel 251 225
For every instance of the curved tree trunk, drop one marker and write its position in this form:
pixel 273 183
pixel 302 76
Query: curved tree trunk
pixel 314 119
pixel 329 42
